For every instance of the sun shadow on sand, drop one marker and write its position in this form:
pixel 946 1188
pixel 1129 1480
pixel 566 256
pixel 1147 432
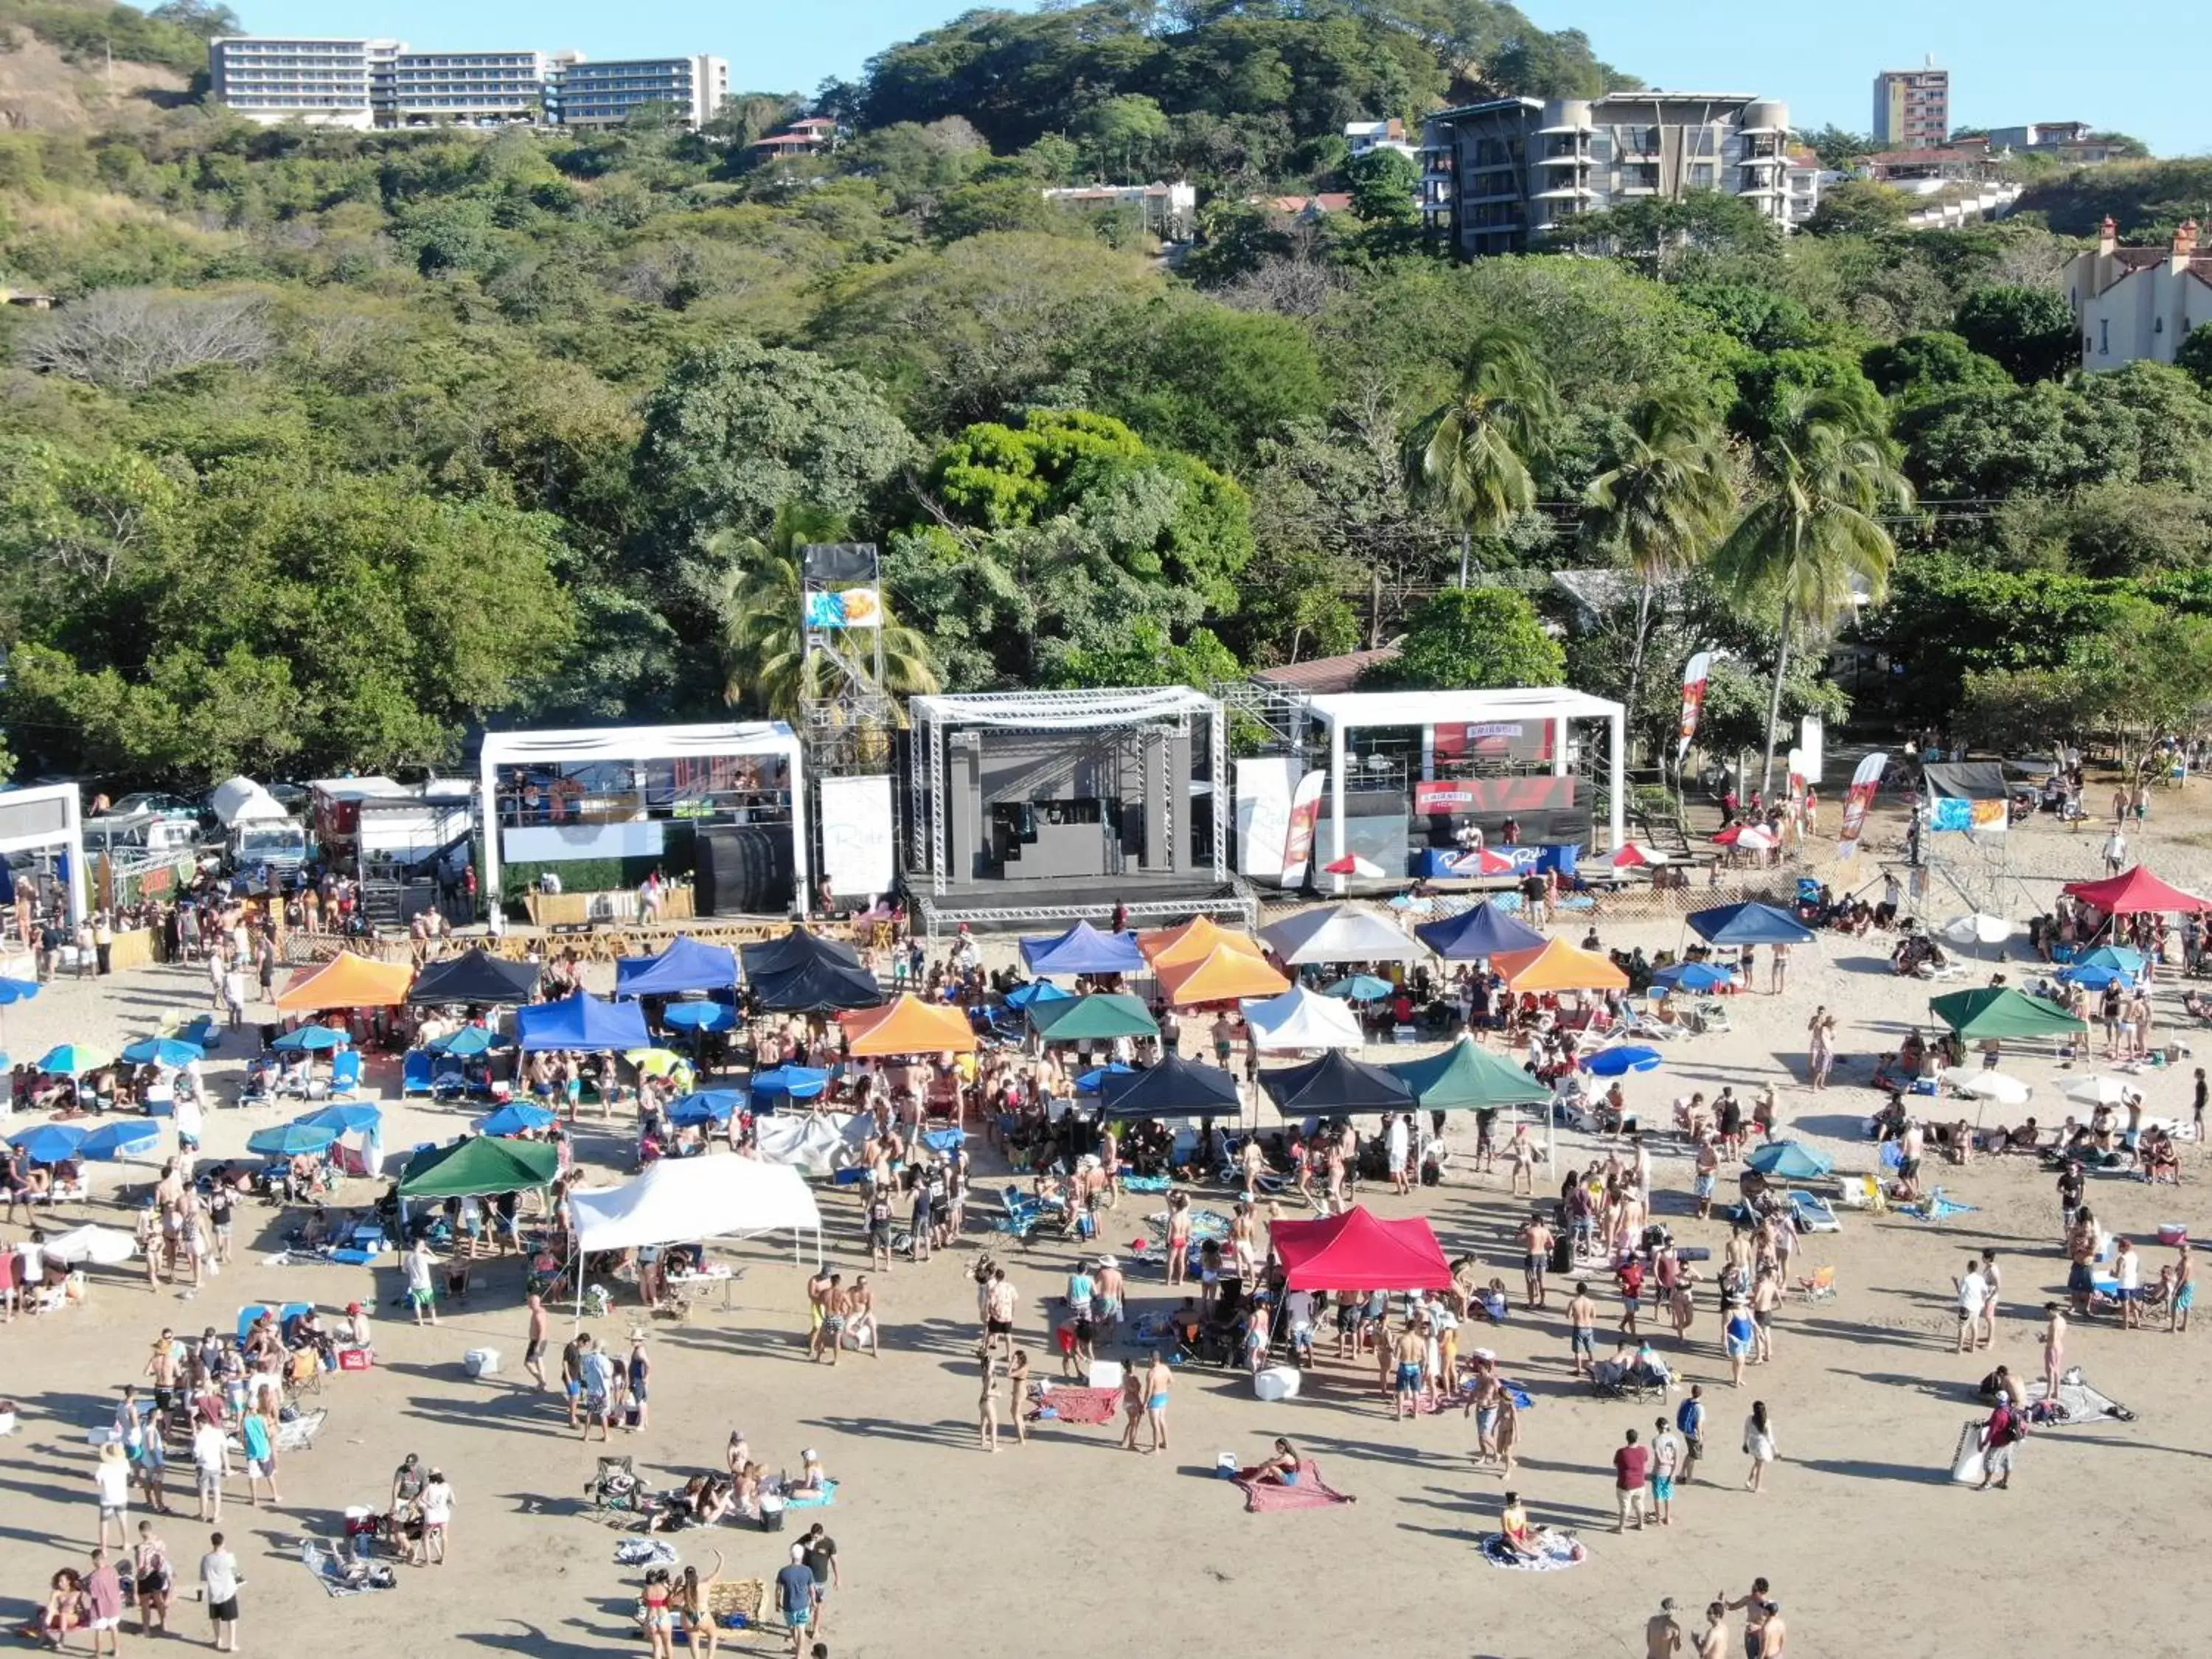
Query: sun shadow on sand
pixel 1859 1469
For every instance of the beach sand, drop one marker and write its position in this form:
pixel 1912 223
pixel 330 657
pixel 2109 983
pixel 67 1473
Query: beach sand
pixel 1071 1547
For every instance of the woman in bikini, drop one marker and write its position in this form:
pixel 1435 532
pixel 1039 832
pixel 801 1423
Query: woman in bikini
pixel 149 1566
pixel 1178 1238
pixel 1278 1468
pixel 695 1601
pixel 1132 1406
pixel 656 1612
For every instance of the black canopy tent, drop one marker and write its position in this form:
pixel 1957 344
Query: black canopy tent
pixel 792 950
pixel 1174 1088
pixel 1335 1085
pixel 477 977
pixel 816 987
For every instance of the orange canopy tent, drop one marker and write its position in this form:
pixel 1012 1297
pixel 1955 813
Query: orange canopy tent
pixel 907 1026
pixel 1224 973
pixel 346 980
pixel 1171 947
pixel 1559 966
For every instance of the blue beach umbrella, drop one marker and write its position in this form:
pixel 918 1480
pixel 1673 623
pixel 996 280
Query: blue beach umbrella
pixel 1621 1061
pixel 110 1141
pixel 171 1051
pixel 1790 1160
pixel 708 1106
pixel 72 1060
pixel 289 1139
pixel 1091 1080
pixel 17 990
pixel 1037 990
pixel 1361 987
pixel 516 1117
pixel 799 1082
pixel 1691 976
pixel 344 1117
pixel 700 1015
pixel 310 1039
pixel 470 1042
pixel 49 1143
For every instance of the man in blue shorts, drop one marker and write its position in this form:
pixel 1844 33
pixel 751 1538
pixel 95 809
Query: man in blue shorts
pixel 794 1599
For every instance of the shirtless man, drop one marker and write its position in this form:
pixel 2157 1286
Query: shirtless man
pixel 1712 1640
pixel 860 1316
pixel 533 1350
pixel 1708 1176
pixel 1157 1380
pixel 1757 1610
pixel 1179 1237
pixel 1536 1255
pixel 836 1314
pixel 1663 1637
pixel 819 1289
pixel 1412 1353
pixel 1582 1329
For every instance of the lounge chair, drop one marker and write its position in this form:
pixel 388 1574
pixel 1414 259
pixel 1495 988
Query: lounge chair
pixel 1812 1213
pixel 345 1075
pixel 416 1073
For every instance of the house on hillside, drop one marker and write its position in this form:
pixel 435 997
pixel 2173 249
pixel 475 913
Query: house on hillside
pixel 817 135
pixel 2137 304
pixel 1362 136
pixel 1170 211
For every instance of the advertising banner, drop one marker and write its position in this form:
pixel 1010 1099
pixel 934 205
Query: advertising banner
pixel 1305 818
pixel 1864 782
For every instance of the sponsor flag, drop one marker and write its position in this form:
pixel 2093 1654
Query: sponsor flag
pixel 1864 782
pixel 1695 673
pixel 1305 818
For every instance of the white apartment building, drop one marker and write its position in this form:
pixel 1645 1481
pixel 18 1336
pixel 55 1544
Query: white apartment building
pixel 1502 177
pixel 385 83
pixel 605 94
pixel 2137 304
pixel 324 82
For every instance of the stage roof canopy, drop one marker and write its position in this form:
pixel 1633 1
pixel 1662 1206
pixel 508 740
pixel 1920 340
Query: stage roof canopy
pixel 1367 709
pixel 1061 711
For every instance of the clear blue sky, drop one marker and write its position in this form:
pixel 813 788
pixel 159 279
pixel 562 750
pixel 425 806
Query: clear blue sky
pixel 2011 60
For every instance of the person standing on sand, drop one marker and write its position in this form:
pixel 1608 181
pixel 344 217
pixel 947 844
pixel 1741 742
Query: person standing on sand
pixel 1759 1444
pixel 1582 1329
pixel 1712 1640
pixel 1157 1381
pixel 1665 1466
pixel 1133 1406
pixel 2184 1289
pixel 1778 956
pixel 1536 1255
pixel 1753 1607
pixel 1017 1394
pixel 1690 1419
pixel 1663 1637
pixel 533 1349
pixel 987 1406
pixel 1412 1351
pixel 1973 1300
pixel 2054 1347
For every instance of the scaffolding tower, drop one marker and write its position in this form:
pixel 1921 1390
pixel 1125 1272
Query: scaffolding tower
pixel 847 719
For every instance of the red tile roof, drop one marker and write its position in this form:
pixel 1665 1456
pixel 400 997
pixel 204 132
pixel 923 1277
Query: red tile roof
pixel 1325 674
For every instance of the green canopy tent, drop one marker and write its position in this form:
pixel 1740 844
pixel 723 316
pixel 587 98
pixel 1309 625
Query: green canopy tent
pixel 481 1166
pixel 1098 1018
pixel 1467 1078
pixel 2004 1013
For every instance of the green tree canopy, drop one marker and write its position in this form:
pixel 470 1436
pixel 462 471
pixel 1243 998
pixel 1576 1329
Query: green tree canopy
pixel 1474 639
pixel 2030 330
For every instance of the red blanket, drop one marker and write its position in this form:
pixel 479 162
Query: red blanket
pixel 1265 1497
pixel 1083 1405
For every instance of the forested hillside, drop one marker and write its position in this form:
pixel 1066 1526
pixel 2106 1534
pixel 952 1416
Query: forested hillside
pixel 337 445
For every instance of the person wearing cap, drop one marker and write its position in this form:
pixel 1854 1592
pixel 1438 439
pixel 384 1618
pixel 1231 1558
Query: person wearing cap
pixel 1663 1637
pixel 794 1598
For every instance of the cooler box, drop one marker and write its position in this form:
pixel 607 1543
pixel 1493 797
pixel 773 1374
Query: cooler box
pixel 1105 1374
pixel 2173 1232
pixel 355 1360
pixel 1226 1466
pixel 481 1362
pixel 1277 1383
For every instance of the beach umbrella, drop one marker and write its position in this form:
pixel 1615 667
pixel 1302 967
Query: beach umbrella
pixel 1790 1160
pixel 1037 991
pixel 700 1015
pixel 110 1141
pixel 1634 855
pixel 2124 957
pixel 1352 865
pixel 344 1115
pixel 470 1042
pixel 172 1053
pixel 516 1117
pixel 654 1062
pixel 17 990
pixel 2095 978
pixel 48 1143
pixel 2098 1090
pixel 1983 1084
pixel 311 1039
pixel 1621 1059
pixel 1361 987
pixel 708 1106
pixel 799 1082
pixel 1092 1080
pixel 289 1139
pixel 1692 976
pixel 72 1059
pixel 1977 928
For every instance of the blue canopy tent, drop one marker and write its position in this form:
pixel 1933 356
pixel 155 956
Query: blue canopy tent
pixel 1483 930
pixel 1082 950
pixel 1790 1160
pixel 1095 1080
pixel 1174 1088
pixel 1748 924
pixel 516 1117
pixel 708 1106
pixel 686 965
pixel 582 1023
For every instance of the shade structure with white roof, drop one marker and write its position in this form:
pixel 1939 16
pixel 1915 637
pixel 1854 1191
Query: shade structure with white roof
pixel 1481 931
pixel 1083 949
pixel 816 1142
pixel 582 1024
pixel 1340 713
pixel 686 965
pixel 680 1200
pixel 1300 1018
pixel 1340 932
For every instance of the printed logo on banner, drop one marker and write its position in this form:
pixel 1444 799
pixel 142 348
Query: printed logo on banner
pixel 1305 818
pixel 1695 674
pixel 851 607
pixel 1864 782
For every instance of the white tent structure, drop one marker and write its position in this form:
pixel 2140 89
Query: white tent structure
pixel 680 1200
pixel 1300 1018
pixel 1340 932
pixel 818 1143
pixel 93 1246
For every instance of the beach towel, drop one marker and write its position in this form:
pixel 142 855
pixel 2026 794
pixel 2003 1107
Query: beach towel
pixel 1555 1552
pixel 644 1552
pixel 338 1577
pixel 1432 1401
pixel 811 1500
pixel 2078 1405
pixel 1137 1183
pixel 1936 1207
pixel 1088 1406
pixel 1204 1224
pixel 1267 1497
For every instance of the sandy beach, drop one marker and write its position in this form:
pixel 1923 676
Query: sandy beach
pixel 1069 1546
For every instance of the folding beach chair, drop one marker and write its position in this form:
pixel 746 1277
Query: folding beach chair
pixel 1812 1213
pixel 1820 1287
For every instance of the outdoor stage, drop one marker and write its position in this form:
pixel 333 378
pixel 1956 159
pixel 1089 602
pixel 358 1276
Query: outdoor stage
pixel 1010 906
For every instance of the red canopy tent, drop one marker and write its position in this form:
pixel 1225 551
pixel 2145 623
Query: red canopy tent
pixel 2134 891
pixel 1358 1251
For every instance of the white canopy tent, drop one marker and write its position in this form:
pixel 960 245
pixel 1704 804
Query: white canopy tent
pixel 1341 712
pixel 49 819
pixel 677 1200
pixel 635 744
pixel 819 1143
pixel 1340 932
pixel 1300 1018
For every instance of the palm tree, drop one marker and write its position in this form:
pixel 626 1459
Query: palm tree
pixel 1474 453
pixel 1827 472
pixel 1666 501
pixel 762 604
